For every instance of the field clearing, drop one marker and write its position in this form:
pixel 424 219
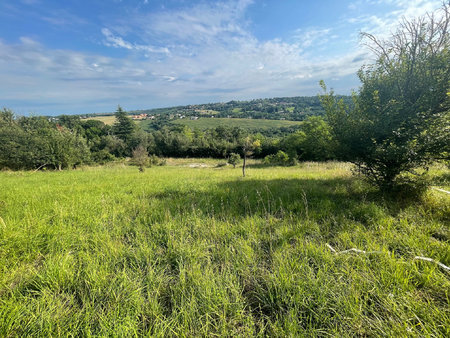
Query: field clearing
pixel 202 252
pixel 108 120
pixel 207 111
pixel 206 123
pixel 248 124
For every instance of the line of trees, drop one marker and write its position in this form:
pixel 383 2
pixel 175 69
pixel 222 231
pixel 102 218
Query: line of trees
pixel 39 142
pixel 312 141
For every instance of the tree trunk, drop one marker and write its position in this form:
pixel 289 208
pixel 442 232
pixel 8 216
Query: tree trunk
pixel 243 166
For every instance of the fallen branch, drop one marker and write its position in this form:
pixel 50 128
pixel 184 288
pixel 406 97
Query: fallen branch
pixel 40 167
pixel 352 250
pixel 441 190
pixel 379 252
pixel 433 261
pixel 331 248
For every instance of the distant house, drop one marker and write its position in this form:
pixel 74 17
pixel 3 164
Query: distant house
pixel 139 117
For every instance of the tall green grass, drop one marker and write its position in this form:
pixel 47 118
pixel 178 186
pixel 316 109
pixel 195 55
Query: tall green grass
pixel 180 251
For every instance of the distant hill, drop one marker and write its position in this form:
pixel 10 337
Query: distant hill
pixel 282 108
pixel 288 108
pixel 250 124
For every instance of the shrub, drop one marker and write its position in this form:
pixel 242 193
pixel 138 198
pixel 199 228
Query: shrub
pixel 140 157
pixel 221 164
pixel 234 159
pixel 280 158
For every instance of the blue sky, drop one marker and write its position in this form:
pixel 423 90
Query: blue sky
pixel 78 56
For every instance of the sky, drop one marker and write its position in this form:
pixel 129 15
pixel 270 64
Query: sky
pixel 80 56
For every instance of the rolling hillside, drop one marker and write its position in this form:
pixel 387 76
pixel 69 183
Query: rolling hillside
pixel 248 124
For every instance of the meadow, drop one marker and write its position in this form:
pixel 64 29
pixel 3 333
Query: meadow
pixel 253 125
pixel 106 119
pixel 181 250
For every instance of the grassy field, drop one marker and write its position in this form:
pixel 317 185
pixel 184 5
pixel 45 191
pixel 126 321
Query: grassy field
pixel 108 120
pixel 248 124
pixel 205 123
pixel 182 251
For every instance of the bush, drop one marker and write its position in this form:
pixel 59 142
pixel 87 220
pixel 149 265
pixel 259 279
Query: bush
pixel 234 159
pixel 102 156
pixel 155 160
pixel 280 158
pixel 221 164
pixel 140 158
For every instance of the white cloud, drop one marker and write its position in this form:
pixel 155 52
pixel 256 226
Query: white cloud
pixel 197 25
pixel 307 38
pixel 63 18
pixel 384 24
pixel 201 53
pixel 39 75
pixel 115 41
pixel 118 42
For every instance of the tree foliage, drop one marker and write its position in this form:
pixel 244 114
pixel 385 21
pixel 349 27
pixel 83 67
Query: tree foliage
pixel 35 142
pixel 313 142
pixel 124 129
pixel 280 158
pixel 140 157
pixel 234 159
pixel 399 121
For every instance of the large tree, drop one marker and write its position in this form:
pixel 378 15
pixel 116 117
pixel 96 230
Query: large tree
pixel 400 118
pixel 124 129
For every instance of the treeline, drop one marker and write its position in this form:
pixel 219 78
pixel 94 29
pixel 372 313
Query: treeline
pixel 39 142
pixel 311 141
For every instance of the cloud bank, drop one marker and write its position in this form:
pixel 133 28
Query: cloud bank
pixel 201 53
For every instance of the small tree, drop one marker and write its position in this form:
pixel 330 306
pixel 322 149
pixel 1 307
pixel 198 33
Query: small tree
pixel 248 147
pixel 140 157
pixel 399 121
pixel 234 159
